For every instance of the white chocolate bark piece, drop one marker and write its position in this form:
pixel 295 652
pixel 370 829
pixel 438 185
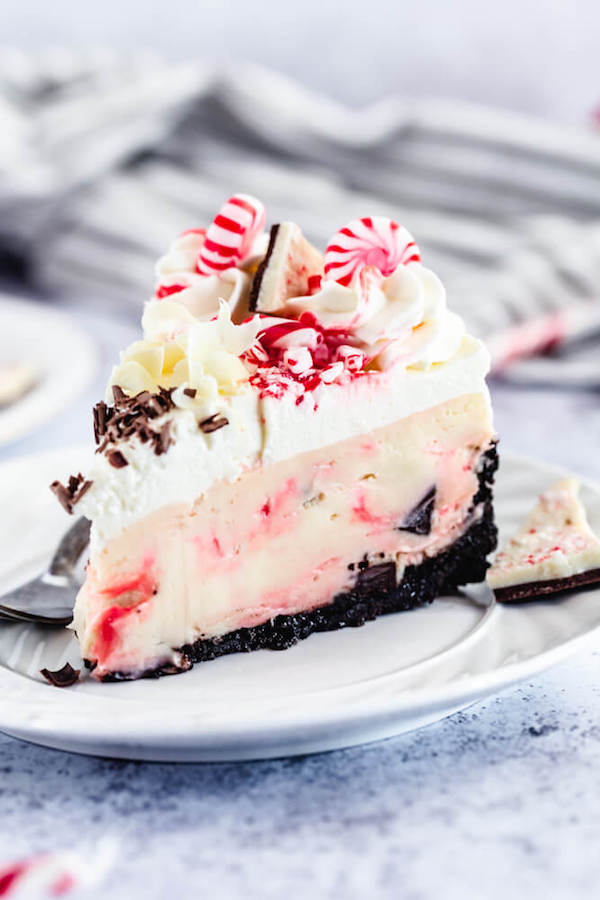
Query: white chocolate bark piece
pixel 555 549
pixel 290 261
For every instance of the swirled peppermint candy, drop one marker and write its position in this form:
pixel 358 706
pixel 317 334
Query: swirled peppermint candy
pixel 371 241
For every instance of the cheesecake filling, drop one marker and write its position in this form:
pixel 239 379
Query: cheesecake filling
pixel 282 539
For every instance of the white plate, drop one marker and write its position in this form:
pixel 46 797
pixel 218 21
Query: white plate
pixel 62 355
pixel 332 690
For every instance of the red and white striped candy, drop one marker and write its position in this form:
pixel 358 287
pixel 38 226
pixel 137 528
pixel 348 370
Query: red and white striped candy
pixel 230 236
pixel 371 241
pixel 47 875
pixel 58 874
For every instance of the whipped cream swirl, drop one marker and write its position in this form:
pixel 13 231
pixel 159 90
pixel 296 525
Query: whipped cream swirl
pixel 177 276
pixel 401 318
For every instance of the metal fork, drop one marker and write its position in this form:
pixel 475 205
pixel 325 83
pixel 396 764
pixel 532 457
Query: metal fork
pixel 49 599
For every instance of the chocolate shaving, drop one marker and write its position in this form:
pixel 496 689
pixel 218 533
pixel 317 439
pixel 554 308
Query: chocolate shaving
pixel 116 459
pixel 64 677
pixel 73 492
pixel 118 394
pixel 164 439
pixel 100 416
pixel 213 423
pixel 190 392
pixel 131 417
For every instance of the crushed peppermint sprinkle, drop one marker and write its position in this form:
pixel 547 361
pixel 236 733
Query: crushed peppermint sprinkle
pixel 72 493
pixel 556 542
pixel 299 355
pixel 166 290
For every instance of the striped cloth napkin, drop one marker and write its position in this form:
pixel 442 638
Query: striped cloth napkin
pixel 104 158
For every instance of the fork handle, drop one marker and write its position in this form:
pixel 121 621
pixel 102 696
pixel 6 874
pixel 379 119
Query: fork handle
pixel 72 545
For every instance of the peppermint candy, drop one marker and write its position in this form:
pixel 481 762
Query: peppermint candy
pixel 298 360
pixel 371 241
pixel 167 290
pixel 352 358
pixel 57 874
pixel 230 236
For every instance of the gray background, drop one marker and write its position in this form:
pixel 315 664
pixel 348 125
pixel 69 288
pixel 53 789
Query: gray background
pixel 532 55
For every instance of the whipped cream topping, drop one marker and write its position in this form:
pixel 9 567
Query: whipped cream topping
pixel 199 295
pixel 341 361
pixel 177 278
pixel 193 463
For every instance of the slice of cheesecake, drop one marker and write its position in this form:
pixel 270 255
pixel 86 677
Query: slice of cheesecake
pixel 555 550
pixel 308 468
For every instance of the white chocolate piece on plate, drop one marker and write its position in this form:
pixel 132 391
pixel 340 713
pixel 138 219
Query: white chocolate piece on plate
pixel 555 543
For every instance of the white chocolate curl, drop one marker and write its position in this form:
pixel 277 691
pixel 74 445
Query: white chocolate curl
pixel 205 357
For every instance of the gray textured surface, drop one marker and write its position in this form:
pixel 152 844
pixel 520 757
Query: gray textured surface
pixel 501 801
pixel 498 802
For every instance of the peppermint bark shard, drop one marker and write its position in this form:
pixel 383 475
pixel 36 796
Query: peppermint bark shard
pixel 555 550
pixel 284 272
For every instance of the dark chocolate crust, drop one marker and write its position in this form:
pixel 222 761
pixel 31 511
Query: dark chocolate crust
pixel 259 275
pixel 533 590
pixel 375 592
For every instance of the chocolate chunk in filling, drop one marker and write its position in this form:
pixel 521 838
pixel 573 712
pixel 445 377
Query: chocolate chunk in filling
pixel 418 521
